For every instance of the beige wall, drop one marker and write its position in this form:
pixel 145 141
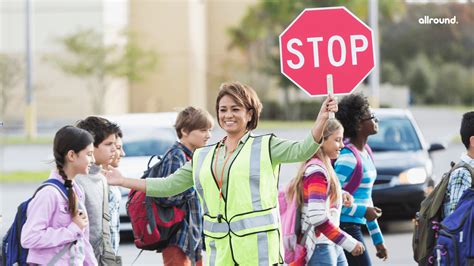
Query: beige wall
pixel 170 28
pixel 56 94
pixel 190 37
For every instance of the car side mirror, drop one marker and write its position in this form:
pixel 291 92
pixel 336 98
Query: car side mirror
pixel 436 147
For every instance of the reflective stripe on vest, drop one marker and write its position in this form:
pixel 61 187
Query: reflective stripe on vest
pixel 242 225
pixel 197 182
pixel 255 158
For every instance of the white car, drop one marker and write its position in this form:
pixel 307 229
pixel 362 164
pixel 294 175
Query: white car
pixel 144 135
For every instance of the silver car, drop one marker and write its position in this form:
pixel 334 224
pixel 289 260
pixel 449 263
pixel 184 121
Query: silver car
pixel 144 135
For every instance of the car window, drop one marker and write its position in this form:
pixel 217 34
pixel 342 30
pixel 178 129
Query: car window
pixel 395 134
pixel 147 141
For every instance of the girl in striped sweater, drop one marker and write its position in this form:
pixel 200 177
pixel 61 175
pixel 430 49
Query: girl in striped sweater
pixel 320 198
pixel 359 123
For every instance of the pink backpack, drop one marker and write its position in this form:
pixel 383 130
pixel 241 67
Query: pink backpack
pixel 290 214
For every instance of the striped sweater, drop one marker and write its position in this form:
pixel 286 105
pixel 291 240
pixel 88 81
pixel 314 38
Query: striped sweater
pixel 320 215
pixel 344 166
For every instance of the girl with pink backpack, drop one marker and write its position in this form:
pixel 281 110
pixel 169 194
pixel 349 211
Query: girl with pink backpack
pixel 319 196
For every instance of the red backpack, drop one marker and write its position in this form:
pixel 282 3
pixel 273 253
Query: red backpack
pixel 153 224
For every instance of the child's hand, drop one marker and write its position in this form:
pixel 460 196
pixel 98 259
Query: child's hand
pixel 381 251
pixel 347 199
pixel 358 249
pixel 81 219
pixel 372 213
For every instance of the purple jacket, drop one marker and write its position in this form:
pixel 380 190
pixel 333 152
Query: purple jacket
pixel 49 228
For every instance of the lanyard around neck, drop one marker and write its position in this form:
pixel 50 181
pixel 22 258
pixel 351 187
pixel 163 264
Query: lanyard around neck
pixel 221 179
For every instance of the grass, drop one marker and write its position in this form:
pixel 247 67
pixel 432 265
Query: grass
pixel 24 176
pixel 270 124
pixel 16 140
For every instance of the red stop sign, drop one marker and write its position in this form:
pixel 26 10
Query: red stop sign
pixel 326 41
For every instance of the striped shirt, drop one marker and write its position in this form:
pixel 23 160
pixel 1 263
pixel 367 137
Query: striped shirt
pixel 344 166
pixel 459 181
pixel 322 215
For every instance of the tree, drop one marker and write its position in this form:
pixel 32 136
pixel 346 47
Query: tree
pixel 10 74
pixel 421 79
pixel 98 63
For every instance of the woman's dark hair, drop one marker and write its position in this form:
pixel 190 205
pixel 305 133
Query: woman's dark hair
pixel 244 96
pixel 352 109
pixel 66 139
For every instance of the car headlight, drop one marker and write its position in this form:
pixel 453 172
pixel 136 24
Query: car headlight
pixel 413 176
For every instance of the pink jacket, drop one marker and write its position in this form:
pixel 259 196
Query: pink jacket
pixel 49 228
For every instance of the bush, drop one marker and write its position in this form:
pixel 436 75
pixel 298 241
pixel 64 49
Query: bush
pixel 299 110
pixel 271 111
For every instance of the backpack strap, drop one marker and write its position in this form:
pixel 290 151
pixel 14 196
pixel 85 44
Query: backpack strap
pixel 106 241
pixel 54 183
pixel 161 157
pixel 358 172
pixel 468 167
pixel 318 162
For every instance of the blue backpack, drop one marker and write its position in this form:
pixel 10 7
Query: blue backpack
pixel 455 243
pixel 12 251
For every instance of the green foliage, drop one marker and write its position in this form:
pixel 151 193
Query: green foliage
pixel 299 110
pixel 421 79
pixel 455 84
pixel 436 61
pixel 11 72
pixel 390 73
pixel 91 58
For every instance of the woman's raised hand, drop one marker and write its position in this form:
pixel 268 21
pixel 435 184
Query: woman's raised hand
pixel 329 105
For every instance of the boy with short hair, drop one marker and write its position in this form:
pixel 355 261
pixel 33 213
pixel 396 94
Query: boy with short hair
pixel 460 179
pixel 95 185
pixel 193 127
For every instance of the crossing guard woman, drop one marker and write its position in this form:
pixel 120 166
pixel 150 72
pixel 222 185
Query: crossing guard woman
pixel 237 180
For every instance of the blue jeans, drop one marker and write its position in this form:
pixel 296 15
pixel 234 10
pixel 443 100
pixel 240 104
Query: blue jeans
pixel 328 254
pixel 354 230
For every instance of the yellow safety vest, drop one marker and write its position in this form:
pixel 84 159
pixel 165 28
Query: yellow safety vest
pixel 244 226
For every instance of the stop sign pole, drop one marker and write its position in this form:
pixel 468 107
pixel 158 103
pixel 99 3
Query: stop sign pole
pixel 330 92
pixel 327 51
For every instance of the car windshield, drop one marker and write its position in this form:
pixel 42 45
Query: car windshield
pixel 147 141
pixel 395 134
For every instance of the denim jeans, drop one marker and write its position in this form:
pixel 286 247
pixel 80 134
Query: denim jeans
pixel 354 230
pixel 328 254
